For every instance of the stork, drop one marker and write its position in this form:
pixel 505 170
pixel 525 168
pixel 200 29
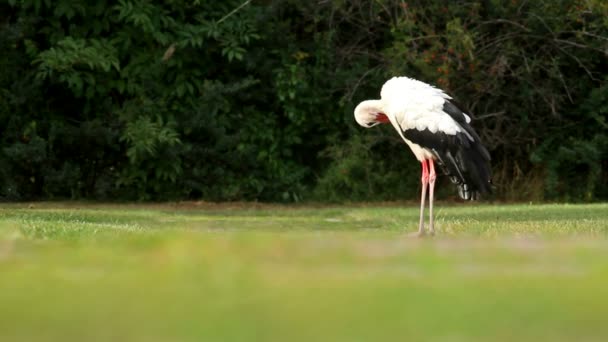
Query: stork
pixel 437 131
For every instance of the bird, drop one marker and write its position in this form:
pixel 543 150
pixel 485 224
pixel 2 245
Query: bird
pixel 437 131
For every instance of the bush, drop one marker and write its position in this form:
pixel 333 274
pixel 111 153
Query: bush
pixel 239 100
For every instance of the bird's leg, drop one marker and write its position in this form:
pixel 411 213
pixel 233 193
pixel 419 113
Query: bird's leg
pixel 432 177
pixel 425 182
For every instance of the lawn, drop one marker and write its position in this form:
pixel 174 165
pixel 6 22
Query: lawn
pixel 201 272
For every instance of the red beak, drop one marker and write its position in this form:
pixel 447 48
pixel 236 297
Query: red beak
pixel 382 118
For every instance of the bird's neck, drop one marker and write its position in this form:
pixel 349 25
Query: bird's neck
pixel 376 109
pixel 370 107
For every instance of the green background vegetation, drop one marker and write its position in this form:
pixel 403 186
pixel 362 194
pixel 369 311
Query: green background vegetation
pixel 142 100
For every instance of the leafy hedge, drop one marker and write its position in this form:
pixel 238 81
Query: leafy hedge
pixel 253 100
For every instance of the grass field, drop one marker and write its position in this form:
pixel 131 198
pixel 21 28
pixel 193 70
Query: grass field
pixel 193 272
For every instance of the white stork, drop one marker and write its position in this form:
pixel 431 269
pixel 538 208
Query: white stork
pixel 437 131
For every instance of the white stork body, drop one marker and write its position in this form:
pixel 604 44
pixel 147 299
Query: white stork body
pixel 436 130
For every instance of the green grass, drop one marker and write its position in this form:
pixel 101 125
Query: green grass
pixel 276 273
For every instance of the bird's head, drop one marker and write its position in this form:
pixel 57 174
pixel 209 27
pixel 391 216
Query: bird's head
pixel 370 113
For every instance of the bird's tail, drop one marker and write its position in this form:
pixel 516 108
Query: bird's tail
pixel 468 168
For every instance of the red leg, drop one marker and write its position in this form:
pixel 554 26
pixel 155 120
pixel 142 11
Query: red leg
pixel 432 177
pixel 425 181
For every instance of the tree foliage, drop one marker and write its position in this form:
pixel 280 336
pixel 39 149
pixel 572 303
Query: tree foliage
pixel 253 100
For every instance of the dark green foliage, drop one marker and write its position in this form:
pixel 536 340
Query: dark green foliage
pixel 576 169
pixel 357 174
pixel 253 100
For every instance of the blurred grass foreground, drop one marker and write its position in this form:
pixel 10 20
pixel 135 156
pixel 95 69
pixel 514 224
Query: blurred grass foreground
pixel 279 273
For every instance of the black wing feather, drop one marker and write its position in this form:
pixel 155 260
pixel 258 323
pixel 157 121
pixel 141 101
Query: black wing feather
pixel 459 116
pixel 465 161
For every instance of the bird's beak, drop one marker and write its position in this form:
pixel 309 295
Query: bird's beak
pixel 382 118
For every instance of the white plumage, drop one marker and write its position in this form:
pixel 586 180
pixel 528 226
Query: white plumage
pixel 411 104
pixel 435 129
